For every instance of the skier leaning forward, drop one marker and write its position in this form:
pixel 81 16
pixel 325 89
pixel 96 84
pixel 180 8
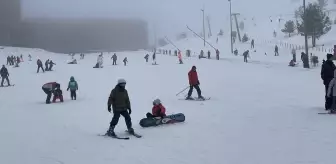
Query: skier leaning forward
pixel 121 106
pixel 194 83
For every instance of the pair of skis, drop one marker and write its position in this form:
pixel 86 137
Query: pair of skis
pixel 123 138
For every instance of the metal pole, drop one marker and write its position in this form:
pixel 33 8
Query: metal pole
pixel 231 28
pixel 305 29
pixel 203 26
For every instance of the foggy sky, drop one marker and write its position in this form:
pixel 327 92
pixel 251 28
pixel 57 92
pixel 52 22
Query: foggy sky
pixel 168 17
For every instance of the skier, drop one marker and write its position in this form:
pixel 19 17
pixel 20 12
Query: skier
pixel 217 54
pixel 252 43
pixel 294 55
pixel 73 86
pixel 39 65
pixel 180 57
pixel 194 83
pixel 51 64
pixel 158 110
pixel 154 58
pixel 121 106
pixel 125 61
pixel 327 74
pixel 209 53
pixel 146 57
pixel 18 60
pixel 49 88
pixel 74 61
pixel 235 52
pixel 291 63
pixel 4 75
pixel 246 54
pixel 46 64
pixel 276 50
pixel 114 58
pixel 331 94
pixel 30 57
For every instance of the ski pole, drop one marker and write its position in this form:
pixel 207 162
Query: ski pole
pixel 182 91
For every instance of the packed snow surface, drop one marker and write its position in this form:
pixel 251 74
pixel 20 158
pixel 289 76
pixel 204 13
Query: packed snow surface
pixel 259 113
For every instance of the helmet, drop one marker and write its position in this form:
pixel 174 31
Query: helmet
pixel 157 102
pixel 121 81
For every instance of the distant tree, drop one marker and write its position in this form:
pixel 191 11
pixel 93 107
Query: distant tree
pixel 245 38
pixel 289 27
pixel 317 21
pixel 181 36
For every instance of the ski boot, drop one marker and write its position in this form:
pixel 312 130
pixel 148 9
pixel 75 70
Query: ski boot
pixel 189 98
pixel 200 97
pixel 110 132
pixel 131 131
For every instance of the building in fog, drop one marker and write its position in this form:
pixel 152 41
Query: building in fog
pixel 70 35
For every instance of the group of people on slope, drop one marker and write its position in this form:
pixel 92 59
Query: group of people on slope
pixel 55 89
pixel 119 103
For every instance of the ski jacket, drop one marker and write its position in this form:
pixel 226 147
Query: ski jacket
pixel 72 84
pixel 193 78
pixel 159 110
pixel 332 86
pixel 119 99
pixel 327 71
pixel 39 62
pixel 50 86
pixel 179 56
pixel 4 72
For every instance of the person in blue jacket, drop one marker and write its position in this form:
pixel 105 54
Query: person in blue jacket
pixel 73 86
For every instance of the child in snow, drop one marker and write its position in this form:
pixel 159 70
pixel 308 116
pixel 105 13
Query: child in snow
pixel 58 94
pixel 332 93
pixel 158 110
pixel 50 88
pixel 73 86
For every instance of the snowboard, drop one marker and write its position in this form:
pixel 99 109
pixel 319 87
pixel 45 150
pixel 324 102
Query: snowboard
pixel 197 99
pixel 156 121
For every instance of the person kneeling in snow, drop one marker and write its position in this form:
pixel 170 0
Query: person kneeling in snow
pixel 158 110
pixel 52 87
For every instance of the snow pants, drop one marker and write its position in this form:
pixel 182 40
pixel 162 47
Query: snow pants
pixel 197 89
pixel 114 62
pixel 38 68
pixel 60 97
pixel 48 95
pixel 73 94
pixel 245 59
pixel 3 79
pixel 333 105
pixel 116 116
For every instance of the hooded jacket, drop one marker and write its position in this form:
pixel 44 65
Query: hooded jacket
pixel 119 99
pixel 72 84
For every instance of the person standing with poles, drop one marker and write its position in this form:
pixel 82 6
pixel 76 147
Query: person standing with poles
pixel 194 83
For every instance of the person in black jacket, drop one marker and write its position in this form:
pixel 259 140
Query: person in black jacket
pixel 4 75
pixel 327 74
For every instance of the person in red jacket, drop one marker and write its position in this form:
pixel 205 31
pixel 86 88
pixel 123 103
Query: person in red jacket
pixel 158 110
pixel 194 83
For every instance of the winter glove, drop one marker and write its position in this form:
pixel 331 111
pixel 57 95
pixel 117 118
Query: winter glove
pixel 129 111
pixel 109 109
pixel 68 89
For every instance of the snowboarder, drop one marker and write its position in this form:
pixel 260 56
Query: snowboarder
pixel 114 58
pixel 125 61
pixel 121 105
pixel 158 110
pixel 73 86
pixel 50 88
pixel 39 65
pixel 327 74
pixel 331 94
pixel 146 57
pixel 4 75
pixel 246 55
pixel 194 83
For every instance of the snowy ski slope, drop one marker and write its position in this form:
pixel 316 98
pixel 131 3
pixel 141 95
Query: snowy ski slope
pixel 258 114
